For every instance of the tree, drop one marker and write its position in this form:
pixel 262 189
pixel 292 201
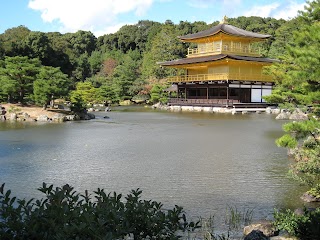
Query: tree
pixel 37 45
pixel 300 86
pixel 61 50
pixel 82 42
pixel 84 91
pixel 17 75
pixel 108 67
pixel 157 94
pixel 107 93
pixel 13 41
pixel 127 38
pixel 95 61
pixel 125 74
pixel 81 68
pixel 303 138
pixel 283 38
pixel 51 84
pixel 165 46
pixel 1 49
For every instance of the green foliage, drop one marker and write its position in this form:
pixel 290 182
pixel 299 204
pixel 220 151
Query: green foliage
pixel 81 68
pixel 303 136
pixel 78 105
pixel 298 75
pixel 124 76
pixel 37 45
pixel 84 91
pixel 81 42
pixel 66 214
pixel 13 41
pixel 286 141
pixel 297 84
pixel 305 227
pixel 108 93
pixel 17 75
pixel 95 61
pixel 315 191
pixel 158 95
pixel 51 84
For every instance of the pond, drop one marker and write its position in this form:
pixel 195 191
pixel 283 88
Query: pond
pixel 203 162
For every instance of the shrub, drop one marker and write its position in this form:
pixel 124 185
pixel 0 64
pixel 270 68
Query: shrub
pixel 305 227
pixel 66 214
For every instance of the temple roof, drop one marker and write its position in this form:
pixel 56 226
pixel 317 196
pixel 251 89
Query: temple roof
pixel 225 28
pixel 211 58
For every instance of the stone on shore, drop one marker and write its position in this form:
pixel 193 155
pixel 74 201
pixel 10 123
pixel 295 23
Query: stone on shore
pixel 283 115
pixel 24 117
pixel 12 117
pixel 264 226
pixel 309 198
pixel 59 118
pixel 72 117
pixel 256 235
pixel 298 115
pixel 43 118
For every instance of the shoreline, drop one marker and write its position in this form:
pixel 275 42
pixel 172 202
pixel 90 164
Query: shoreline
pixel 18 112
pixel 178 108
pixel 32 110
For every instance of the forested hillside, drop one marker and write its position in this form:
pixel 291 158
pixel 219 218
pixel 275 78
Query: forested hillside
pixel 36 67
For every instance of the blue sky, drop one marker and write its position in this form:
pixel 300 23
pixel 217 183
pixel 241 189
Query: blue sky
pixel 107 16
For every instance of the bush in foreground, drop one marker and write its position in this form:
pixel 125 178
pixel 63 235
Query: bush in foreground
pixel 66 214
pixel 305 226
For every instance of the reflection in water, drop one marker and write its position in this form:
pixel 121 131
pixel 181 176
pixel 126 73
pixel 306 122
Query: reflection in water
pixel 203 162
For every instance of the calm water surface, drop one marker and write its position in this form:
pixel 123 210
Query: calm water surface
pixel 203 162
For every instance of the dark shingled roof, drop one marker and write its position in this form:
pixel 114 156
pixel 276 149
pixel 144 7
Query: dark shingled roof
pixel 211 58
pixel 226 28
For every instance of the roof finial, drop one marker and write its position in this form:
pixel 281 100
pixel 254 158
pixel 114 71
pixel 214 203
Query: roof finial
pixel 224 20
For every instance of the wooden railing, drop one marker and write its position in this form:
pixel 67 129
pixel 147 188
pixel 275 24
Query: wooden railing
pixel 202 102
pixel 220 77
pixel 224 49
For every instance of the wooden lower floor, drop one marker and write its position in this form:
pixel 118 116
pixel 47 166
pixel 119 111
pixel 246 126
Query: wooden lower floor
pixel 221 94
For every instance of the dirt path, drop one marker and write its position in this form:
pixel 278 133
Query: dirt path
pixel 33 111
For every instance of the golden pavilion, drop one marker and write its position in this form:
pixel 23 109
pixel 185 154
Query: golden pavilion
pixel 225 69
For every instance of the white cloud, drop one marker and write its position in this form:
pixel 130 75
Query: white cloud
pixel 285 10
pixel 289 11
pixel 262 11
pixel 212 3
pixel 92 15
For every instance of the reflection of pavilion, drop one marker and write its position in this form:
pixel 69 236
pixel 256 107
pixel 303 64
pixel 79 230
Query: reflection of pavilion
pixel 225 69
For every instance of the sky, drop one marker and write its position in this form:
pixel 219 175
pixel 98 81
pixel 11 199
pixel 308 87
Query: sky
pixel 107 16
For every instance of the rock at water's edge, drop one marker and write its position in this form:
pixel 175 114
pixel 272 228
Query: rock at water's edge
pixel 283 116
pixel 12 117
pixel 59 118
pixel 43 118
pixel 298 115
pixel 265 226
pixel 309 198
pixel 256 235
